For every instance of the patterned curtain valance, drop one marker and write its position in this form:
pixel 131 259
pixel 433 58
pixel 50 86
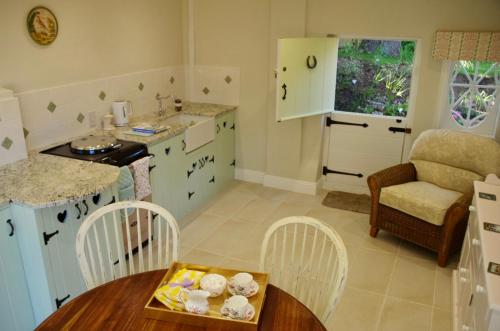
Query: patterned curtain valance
pixel 478 46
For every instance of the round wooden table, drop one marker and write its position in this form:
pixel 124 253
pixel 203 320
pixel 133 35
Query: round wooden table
pixel 119 305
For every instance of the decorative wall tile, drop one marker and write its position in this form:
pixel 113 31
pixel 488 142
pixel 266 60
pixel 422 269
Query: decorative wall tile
pixel 12 142
pixel 7 143
pixel 51 107
pixel 80 117
pixel 102 95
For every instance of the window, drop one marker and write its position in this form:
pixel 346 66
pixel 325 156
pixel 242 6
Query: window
pixel 374 76
pixel 473 92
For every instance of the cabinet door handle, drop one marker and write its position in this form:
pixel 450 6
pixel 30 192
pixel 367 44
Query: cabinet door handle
pixel 212 180
pixel 61 217
pixel 284 91
pixel 218 128
pixel 189 173
pixel 86 208
pixel 212 159
pixel 183 145
pixel 77 206
pixel 59 302
pixel 224 124
pixel 113 200
pixel 96 198
pixel 11 233
pixel 232 127
pixel 233 164
pixel 47 236
pixel 167 150
pixel 190 194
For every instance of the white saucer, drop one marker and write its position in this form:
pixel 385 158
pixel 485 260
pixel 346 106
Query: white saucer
pixel 254 288
pixel 249 315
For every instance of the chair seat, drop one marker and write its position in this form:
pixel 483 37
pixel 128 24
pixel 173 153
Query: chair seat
pixel 423 200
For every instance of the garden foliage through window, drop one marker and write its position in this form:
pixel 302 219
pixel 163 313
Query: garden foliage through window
pixel 474 87
pixel 374 76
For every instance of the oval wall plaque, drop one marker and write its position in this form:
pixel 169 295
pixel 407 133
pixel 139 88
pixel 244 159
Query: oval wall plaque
pixel 42 25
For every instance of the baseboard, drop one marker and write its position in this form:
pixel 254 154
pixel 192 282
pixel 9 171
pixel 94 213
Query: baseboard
pixel 283 183
pixel 454 298
pixel 289 184
pixel 248 175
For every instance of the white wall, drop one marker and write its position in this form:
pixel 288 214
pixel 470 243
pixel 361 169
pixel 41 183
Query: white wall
pixel 238 32
pixel 96 39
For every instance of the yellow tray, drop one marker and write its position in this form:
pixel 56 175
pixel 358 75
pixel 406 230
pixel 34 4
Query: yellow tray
pixel 156 310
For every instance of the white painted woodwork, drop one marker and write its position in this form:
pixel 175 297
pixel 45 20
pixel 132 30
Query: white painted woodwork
pixel 308 259
pixel 309 91
pixel 360 150
pixel 476 292
pixel 99 242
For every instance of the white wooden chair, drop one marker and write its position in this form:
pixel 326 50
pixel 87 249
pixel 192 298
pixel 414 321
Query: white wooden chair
pixel 104 241
pixel 307 259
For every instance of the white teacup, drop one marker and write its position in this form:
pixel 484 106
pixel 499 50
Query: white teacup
pixel 237 306
pixel 242 282
pixel 213 283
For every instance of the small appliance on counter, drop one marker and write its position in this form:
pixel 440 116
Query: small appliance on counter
pixel 122 109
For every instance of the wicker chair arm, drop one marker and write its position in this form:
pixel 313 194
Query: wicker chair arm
pixel 398 174
pixel 458 211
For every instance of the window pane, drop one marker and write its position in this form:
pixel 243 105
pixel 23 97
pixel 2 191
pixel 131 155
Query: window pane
pixel 473 91
pixel 373 76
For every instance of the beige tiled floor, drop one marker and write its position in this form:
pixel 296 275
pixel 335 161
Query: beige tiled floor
pixel 392 285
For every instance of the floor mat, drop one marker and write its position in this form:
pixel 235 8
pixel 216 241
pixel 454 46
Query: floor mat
pixel 349 201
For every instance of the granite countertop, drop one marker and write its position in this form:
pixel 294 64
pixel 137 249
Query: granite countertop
pixel 44 180
pixel 189 108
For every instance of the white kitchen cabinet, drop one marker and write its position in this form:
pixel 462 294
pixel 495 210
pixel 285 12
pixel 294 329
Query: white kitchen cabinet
pixel 16 313
pixel 47 238
pixel 476 290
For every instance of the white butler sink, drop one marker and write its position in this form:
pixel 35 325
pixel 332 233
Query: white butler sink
pixel 200 129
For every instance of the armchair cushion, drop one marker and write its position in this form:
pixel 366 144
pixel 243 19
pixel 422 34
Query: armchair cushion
pixel 446 176
pixel 420 199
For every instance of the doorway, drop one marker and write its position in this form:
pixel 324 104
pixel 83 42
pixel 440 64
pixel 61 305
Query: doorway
pixel 370 122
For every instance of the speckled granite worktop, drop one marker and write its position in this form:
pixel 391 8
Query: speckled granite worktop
pixel 189 108
pixel 45 180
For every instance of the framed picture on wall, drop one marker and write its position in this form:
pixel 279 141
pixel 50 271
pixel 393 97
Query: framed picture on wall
pixel 42 25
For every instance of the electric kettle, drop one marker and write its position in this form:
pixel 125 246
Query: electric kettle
pixel 121 111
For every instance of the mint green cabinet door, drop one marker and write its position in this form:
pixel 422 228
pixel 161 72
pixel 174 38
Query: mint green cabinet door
pixel 225 161
pixel 15 306
pixel 200 176
pixel 167 176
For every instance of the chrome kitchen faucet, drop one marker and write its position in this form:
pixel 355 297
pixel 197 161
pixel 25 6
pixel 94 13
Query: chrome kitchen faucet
pixel 163 110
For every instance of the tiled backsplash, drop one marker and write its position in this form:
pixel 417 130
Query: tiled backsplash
pixel 59 113
pixel 219 85
pixel 12 144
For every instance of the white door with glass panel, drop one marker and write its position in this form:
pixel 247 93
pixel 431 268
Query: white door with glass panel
pixel 473 97
pixel 369 124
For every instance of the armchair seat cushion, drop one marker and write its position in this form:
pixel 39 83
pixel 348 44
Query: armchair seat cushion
pixel 420 199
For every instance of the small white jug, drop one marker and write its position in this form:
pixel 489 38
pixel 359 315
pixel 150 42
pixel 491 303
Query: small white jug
pixel 197 301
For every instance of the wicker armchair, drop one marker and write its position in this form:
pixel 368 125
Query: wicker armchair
pixel 426 201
